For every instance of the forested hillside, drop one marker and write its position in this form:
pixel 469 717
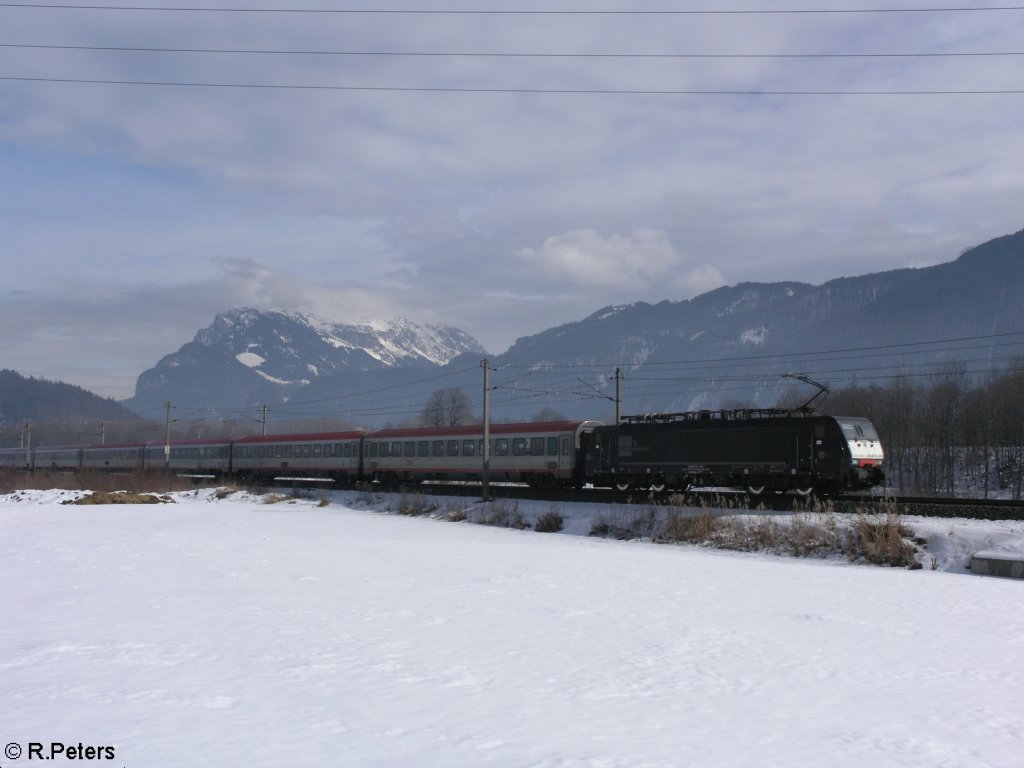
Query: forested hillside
pixel 26 399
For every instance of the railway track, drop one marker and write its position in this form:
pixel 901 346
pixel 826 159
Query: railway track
pixel 926 506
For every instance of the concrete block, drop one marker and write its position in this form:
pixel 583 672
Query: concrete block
pixel 995 563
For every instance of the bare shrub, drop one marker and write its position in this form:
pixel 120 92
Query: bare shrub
pixel 626 522
pixel 503 515
pixel 367 497
pixel 415 504
pixel 806 536
pixel 550 522
pixel 457 512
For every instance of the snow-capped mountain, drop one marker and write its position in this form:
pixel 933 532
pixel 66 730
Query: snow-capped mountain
pixel 730 346
pixel 247 356
pixel 725 348
pixel 292 348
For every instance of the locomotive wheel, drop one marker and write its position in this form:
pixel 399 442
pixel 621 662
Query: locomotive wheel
pixel 658 487
pixel 755 490
pixel 622 486
pixel 804 491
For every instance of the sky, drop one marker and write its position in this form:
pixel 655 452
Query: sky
pixel 602 158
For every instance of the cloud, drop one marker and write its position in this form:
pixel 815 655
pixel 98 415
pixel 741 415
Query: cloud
pixel 633 263
pixel 135 213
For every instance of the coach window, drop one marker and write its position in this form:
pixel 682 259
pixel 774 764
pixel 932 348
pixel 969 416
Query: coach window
pixel 317 453
pixel 288 451
pixel 552 446
pixel 384 450
pixel 410 448
pixel 423 448
pixel 347 450
pixel 501 446
pixel 307 451
pixel 453 448
pixel 437 449
pixel 396 448
pixel 468 447
pixel 374 450
pixel 519 446
pixel 565 446
pixel 536 446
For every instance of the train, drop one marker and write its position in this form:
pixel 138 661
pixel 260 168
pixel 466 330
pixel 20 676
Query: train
pixel 756 450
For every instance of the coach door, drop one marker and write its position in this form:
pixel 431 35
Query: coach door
pixel 559 454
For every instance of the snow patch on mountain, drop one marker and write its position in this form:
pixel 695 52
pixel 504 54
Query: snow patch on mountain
pixel 754 336
pixel 250 359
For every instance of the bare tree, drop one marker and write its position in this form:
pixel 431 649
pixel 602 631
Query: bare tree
pixel 447 408
pixel 549 414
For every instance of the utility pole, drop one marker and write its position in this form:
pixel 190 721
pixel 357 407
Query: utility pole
pixel 485 476
pixel 264 419
pixel 103 433
pixel 167 438
pixel 618 395
pixel 27 444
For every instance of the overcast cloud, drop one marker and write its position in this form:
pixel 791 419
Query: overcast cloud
pixel 131 214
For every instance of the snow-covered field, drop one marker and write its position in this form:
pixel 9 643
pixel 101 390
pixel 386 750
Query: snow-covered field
pixel 237 633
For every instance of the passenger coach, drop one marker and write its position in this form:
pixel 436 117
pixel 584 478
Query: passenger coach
pixel 540 453
pixel 324 454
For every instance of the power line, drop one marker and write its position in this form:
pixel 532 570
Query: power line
pixel 780 356
pixel 510 54
pixel 553 91
pixel 516 12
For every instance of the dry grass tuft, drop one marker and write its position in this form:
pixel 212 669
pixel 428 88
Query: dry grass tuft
pixel 122 497
pixel 881 539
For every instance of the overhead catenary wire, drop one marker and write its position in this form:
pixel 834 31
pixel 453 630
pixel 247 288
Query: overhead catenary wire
pixel 495 90
pixel 520 11
pixel 508 54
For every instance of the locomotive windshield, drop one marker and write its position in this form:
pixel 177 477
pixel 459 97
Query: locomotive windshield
pixel 858 429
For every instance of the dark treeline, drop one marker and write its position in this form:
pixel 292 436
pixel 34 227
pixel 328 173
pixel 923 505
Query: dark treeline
pixel 945 433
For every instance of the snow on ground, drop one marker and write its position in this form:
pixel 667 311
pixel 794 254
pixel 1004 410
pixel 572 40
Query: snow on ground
pixel 233 632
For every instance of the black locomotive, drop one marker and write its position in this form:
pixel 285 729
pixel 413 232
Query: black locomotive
pixel 756 449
